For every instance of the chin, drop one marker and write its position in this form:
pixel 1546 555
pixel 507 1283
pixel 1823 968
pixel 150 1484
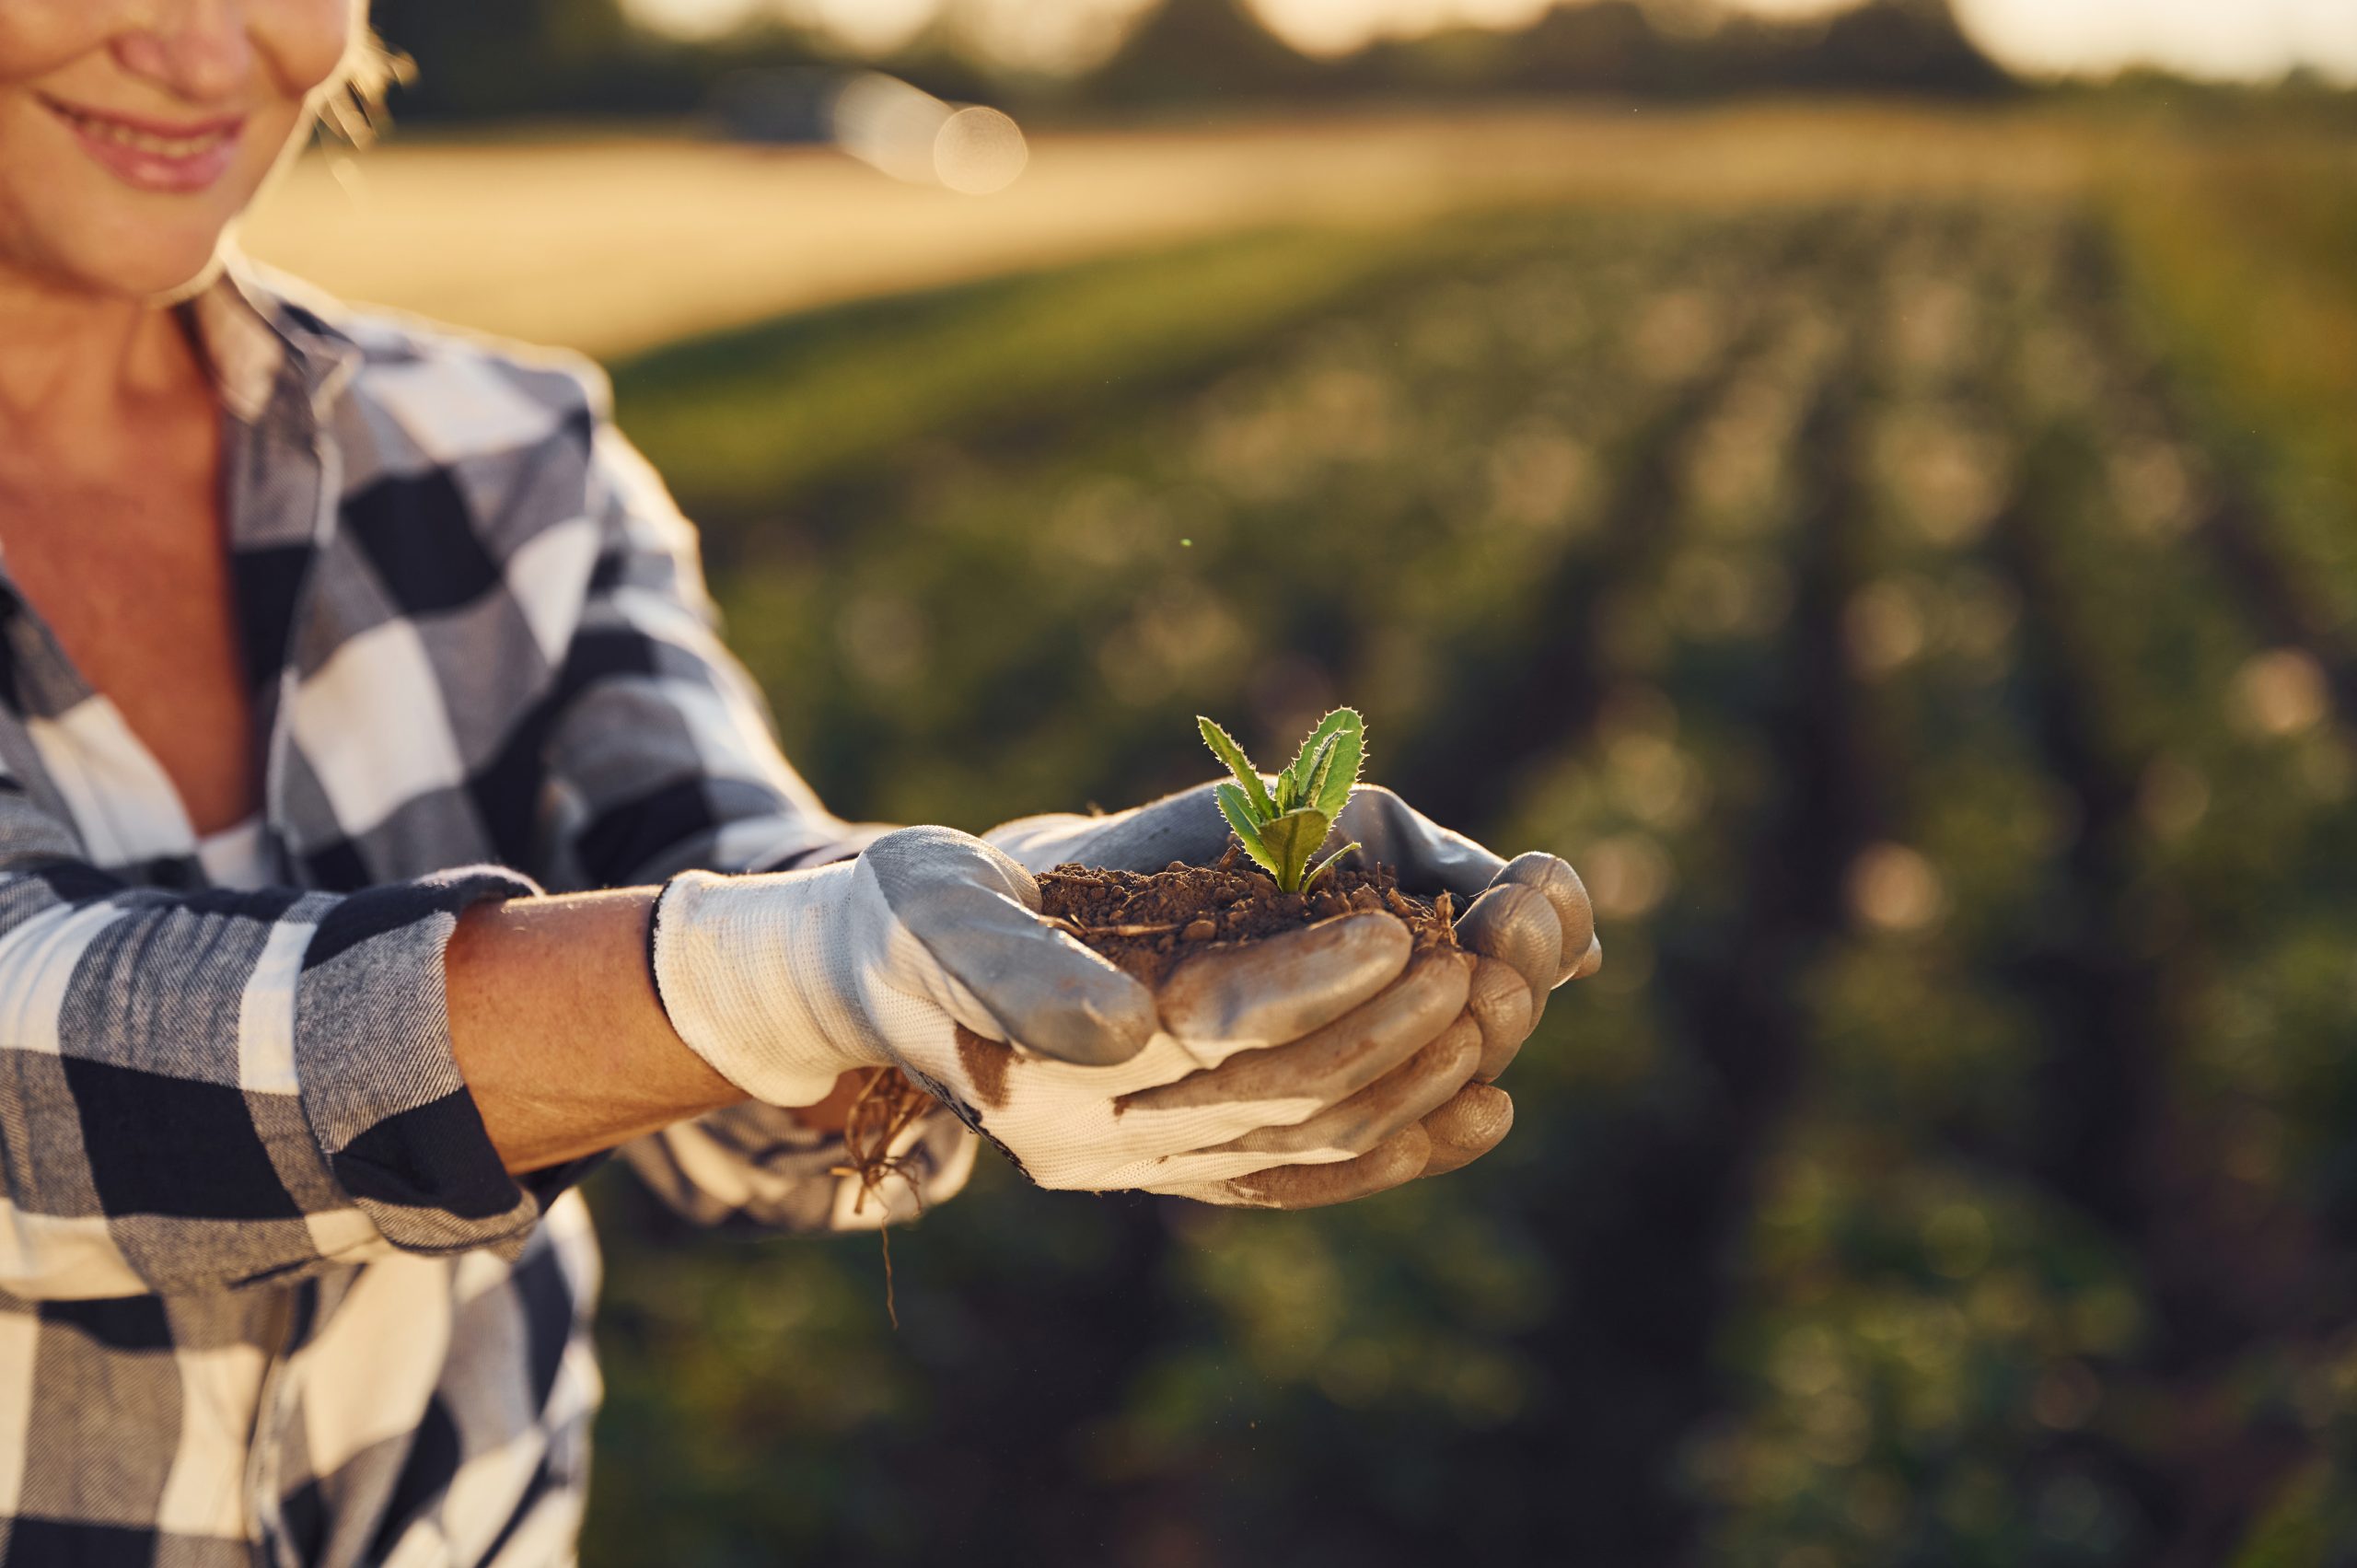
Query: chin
pixel 159 277
pixel 173 275
pixel 135 260
pixel 91 236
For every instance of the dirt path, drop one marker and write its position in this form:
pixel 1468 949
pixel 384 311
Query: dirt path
pixel 611 244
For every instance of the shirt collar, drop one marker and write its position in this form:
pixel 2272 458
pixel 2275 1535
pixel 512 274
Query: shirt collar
pixel 255 339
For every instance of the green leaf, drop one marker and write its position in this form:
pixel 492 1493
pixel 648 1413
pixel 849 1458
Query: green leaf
pixel 1291 793
pixel 1237 806
pixel 1305 760
pixel 1225 748
pixel 1314 783
pixel 1292 839
pixel 1325 865
pixel 1338 774
pixel 1282 822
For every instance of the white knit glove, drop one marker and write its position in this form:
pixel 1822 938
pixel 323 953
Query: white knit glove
pixel 1527 921
pixel 926 954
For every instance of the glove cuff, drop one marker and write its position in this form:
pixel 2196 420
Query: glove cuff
pixel 753 974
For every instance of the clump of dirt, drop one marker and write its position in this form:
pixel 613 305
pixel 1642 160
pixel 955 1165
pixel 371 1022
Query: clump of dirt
pixel 1148 922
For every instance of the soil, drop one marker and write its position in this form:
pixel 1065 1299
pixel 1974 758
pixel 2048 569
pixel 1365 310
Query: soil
pixel 1148 922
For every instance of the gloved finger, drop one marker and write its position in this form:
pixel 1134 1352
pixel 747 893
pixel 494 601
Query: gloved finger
pixel 1399 1159
pixel 1516 923
pixel 1554 877
pixel 963 901
pixel 1408 1092
pixel 1427 856
pixel 1281 987
pixel 1475 1121
pixel 1332 1063
pixel 1501 1003
pixel 1590 962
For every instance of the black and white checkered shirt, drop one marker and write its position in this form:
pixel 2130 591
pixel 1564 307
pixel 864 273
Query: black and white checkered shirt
pixel 266 1295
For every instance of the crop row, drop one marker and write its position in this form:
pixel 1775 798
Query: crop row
pixel 1943 1167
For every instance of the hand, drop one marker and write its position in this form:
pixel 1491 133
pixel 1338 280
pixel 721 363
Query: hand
pixel 1527 922
pixel 926 954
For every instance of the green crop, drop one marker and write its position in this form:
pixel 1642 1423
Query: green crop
pixel 1282 824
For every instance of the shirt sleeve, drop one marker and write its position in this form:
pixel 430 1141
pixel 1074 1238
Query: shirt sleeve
pixel 205 1090
pixel 663 757
pixel 755 1164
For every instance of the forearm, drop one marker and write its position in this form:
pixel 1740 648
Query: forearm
pixel 559 1035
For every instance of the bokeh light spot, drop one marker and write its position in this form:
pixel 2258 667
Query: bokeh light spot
pixel 979 150
pixel 2281 692
pixel 1894 887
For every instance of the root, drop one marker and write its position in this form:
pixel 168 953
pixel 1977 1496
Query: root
pixel 1087 931
pixel 886 1106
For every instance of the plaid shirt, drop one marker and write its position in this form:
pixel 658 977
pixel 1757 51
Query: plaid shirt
pixel 266 1295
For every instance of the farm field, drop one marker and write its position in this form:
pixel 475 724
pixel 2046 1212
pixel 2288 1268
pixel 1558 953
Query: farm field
pixel 1925 613
pixel 613 243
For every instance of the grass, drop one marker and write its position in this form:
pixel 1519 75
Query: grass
pixel 742 421
pixel 2239 260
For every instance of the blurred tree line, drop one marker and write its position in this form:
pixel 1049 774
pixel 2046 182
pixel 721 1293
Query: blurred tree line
pixel 499 58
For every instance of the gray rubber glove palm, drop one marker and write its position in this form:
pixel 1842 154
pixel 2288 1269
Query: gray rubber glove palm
pixel 1526 920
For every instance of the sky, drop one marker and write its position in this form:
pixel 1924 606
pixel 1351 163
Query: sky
pixel 2242 40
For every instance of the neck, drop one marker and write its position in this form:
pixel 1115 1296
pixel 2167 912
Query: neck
pixel 68 354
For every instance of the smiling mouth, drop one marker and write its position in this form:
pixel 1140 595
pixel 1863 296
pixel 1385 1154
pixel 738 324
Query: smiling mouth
pixel 150 145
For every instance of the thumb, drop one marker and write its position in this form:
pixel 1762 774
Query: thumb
pixel 1186 826
pixel 1428 856
pixel 970 908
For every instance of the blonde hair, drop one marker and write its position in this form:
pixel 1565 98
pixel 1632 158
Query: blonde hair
pixel 351 102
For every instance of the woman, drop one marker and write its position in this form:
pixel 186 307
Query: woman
pixel 303 609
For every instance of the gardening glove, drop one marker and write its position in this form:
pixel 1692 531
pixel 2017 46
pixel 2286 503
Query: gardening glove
pixel 1528 921
pixel 926 954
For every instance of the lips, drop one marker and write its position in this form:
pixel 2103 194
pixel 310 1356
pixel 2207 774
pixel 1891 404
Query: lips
pixel 155 155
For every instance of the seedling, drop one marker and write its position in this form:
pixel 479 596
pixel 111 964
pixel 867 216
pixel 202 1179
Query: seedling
pixel 1283 824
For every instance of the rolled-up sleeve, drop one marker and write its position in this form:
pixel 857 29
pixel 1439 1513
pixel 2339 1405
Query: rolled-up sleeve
pixel 204 1090
pixel 664 758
